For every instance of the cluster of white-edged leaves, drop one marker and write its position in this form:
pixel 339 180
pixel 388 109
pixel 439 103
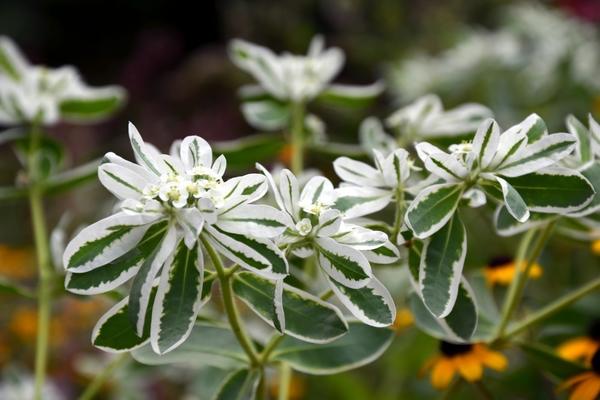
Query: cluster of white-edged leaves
pixel 287 79
pixel 48 95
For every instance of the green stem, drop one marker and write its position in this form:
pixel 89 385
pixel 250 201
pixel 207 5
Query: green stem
pixel 269 347
pixel 515 290
pixel 553 307
pixel 399 217
pixel 285 377
pixel 229 303
pixel 45 272
pixel 96 384
pixel 297 137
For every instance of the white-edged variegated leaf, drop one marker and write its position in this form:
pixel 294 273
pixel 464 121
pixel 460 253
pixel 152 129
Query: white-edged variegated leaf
pixel 111 157
pixel 242 190
pixel 511 142
pixel 290 192
pixel 432 208
pixel 239 385
pixel 540 154
pixel 395 167
pixel 534 128
pixel 513 201
pixel 104 241
pixel 440 163
pixel 256 254
pixel 583 150
pixel 255 220
pixel 486 142
pixel 317 190
pixel 141 287
pixel 178 298
pixel 507 225
pixel 554 190
pixel 147 156
pixel 195 152
pixel 357 172
pixel 359 237
pixel 342 263
pixel 329 223
pixel 358 201
pixel 267 114
pixel 12 62
pixel 591 172
pixel 371 304
pixel 326 321
pixel 278 310
pixel 121 181
pixel 441 265
pixel 118 271
pixel 388 253
pixel 92 104
pixel 115 333
pixel 351 95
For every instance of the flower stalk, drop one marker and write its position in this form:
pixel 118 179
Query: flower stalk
pixel 297 137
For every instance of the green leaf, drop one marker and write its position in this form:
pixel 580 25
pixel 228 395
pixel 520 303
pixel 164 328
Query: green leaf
pixel 208 344
pixel 98 104
pixel 242 153
pixel 343 263
pixel 507 225
pixel 8 287
pixel 362 345
pixel 441 267
pixel 583 149
pixel 514 202
pixel 547 360
pixel 269 115
pixel 12 62
pixel 178 299
pixel 326 321
pixel 432 208
pixel 553 190
pixel 592 173
pixel 534 127
pixel 239 385
pixel 350 95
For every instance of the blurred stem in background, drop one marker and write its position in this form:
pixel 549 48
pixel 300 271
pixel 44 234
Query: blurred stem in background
pixel 297 137
pixel 285 377
pixel 96 384
pixel 44 291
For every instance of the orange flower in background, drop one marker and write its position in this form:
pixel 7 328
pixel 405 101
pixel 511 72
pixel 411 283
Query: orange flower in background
pixel 403 320
pixel 585 386
pixel 582 348
pixel 285 155
pixel 16 263
pixel 296 390
pixel 23 323
pixel 596 247
pixel 501 271
pixel 467 360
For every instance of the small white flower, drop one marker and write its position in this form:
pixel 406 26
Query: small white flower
pixel 304 227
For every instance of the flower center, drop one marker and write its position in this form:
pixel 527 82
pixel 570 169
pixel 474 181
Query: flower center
pixel 596 362
pixel 454 349
pixel 594 330
pixel 499 262
pixel 304 226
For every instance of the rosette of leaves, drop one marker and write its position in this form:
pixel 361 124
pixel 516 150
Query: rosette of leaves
pixel 288 79
pixel 48 95
pixel 343 250
pixel 517 168
pixel 167 201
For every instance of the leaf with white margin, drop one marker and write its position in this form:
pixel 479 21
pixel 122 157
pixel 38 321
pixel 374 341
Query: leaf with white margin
pixel 432 208
pixel 178 298
pixel 440 163
pixel 541 154
pixel 583 150
pixel 104 241
pixel 362 345
pixel 239 385
pixel 121 181
pixel 329 223
pixel 357 201
pixel 92 104
pixel 359 237
pixel 255 220
pixel 388 253
pixel 242 190
pixel 317 190
pixel 326 321
pixel 118 271
pixel 266 114
pixel 357 172
pixel 256 254
pixel 12 62
pixel 220 165
pixel 591 172
pixel 395 167
pixel 485 143
pixel 554 190
pixel 148 176
pixel 195 152
pixel 146 155
pixel 139 294
pixel 513 201
pixel 441 265
pixel 534 127
pixel 511 142
pixel 342 263
pixel 351 95
pixel 371 304
pixel 507 225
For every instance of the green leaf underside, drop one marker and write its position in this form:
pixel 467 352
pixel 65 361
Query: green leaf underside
pixel 240 385
pixel 371 304
pixel 360 346
pixel 208 344
pixel 94 107
pixel 114 269
pixel 505 222
pixel 547 359
pixel 304 318
pixel 345 265
pixel 463 318
pixel 434 208
pixel 440 257
pixel 273 258
pixel 552 190
pixel 94 248
pixel 180 300
pixel 592 174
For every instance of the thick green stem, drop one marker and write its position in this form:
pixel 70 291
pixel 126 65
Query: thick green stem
pixel 399 217
pixel 285 377
pixel 96 384
pixel 45 273
pixel 229 303
pixel 553 307
pixel 523 264
pixel 297 137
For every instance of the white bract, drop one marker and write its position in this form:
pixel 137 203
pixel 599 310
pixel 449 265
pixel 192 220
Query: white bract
pixel 48 95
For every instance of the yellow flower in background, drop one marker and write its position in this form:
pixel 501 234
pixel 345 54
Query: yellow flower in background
pixel 596 247
pixel 468 360
pixel 15 262
pixel 285 155
pixel 582 348
pixel 23 323
pixel 501 271
pixel 403 320
pixel 585 386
